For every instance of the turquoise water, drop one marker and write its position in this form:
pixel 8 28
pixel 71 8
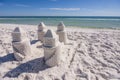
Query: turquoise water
pixel 80 21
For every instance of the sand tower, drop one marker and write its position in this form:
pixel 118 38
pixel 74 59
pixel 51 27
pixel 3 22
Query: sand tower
pixel 41 31
pixel 51 48
pixel 62 33
pixel 18 34
pixel 20 43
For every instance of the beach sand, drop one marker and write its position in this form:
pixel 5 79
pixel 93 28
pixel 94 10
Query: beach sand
pixel 94 54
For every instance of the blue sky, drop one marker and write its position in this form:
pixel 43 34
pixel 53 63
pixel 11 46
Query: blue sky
pixel 59 7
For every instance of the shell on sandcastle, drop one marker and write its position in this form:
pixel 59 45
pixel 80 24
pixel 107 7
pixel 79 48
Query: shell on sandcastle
pixel 20 43
pixel 41 31
pixel 51 48
pixel 62 33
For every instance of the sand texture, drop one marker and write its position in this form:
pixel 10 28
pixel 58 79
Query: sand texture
pixel 92 54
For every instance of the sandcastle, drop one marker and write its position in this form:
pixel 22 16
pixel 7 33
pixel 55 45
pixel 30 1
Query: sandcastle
pixel 51 48
pixel 51 41
pixel 62 33
pixel 41 31
pixel 20 43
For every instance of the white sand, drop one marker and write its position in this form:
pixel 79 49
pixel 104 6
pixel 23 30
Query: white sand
pixel 93 55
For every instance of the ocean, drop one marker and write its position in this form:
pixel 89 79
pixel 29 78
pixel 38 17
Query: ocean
pixel 69 21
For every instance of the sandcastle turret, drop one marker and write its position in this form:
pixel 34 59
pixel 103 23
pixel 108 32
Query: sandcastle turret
pixel 18 34
pixel 51 48
pixel 62 33
pixel 41 31
pixel 20 43
pixel 61 27
pixel 50 39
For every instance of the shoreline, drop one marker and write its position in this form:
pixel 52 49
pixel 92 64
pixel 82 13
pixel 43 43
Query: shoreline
pixel 76 27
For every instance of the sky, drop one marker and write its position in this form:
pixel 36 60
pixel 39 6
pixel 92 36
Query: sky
pixel 59 7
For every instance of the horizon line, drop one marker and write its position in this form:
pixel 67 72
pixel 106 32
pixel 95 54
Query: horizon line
pixel 59 16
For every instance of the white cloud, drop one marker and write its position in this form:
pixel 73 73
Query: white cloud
pixel 22 5
pixel 65 9
pixel 53 0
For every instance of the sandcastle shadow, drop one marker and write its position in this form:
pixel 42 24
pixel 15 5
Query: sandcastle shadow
pixel 33 66
pixel 34 41
pixel 6 58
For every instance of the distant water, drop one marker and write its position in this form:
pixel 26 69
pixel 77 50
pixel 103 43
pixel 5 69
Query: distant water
pixel 80 21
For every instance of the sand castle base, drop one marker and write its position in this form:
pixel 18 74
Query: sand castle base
pixel 21 49
pixel 52 55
